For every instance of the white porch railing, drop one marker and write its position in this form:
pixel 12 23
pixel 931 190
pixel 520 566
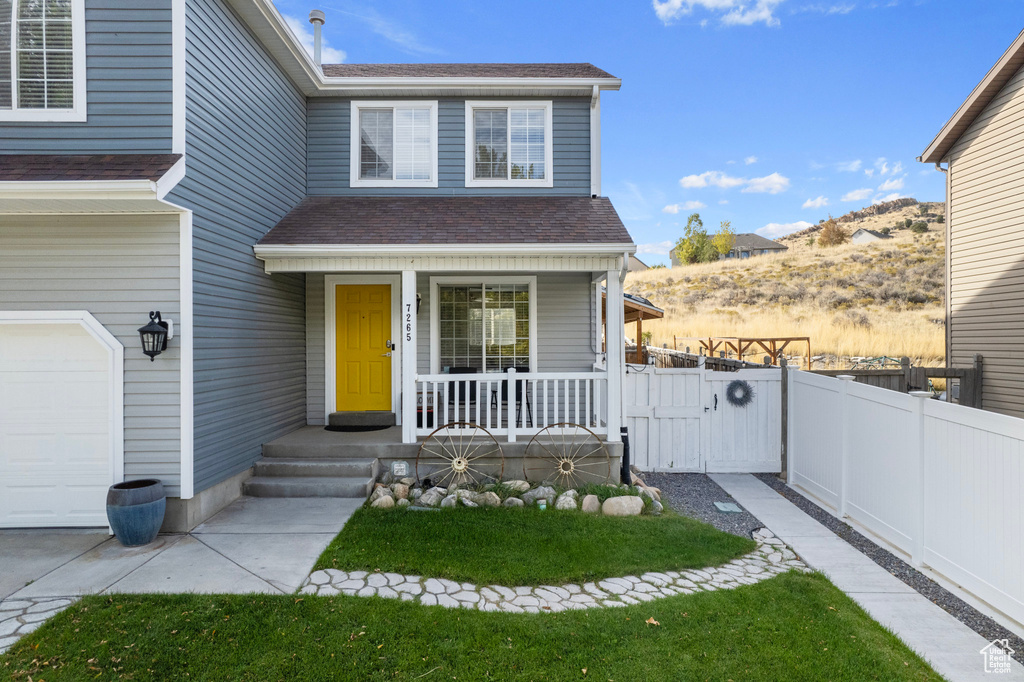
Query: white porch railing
pixel 513 403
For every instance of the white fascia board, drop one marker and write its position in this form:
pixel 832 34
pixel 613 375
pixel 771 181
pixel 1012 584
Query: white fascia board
pixel 79 189
pixel 266 251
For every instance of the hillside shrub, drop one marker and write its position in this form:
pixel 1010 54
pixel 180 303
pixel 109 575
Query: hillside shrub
pixel 908 222
pixel 919 227
pixel 885 230
pixel 940 219
pixel 832 234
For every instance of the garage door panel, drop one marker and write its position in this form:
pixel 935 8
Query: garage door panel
pixel 55 426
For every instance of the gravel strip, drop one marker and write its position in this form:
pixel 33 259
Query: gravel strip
pixel 695 495
pixel 935 593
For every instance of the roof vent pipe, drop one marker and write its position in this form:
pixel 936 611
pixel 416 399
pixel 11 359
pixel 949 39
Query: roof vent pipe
pixel 318 19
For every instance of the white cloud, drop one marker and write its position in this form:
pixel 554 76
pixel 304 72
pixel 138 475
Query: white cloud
pixel 303 30
pixel 723 202
pixel 870 172
pixel 715 178
pixel 750 159
pixel 821 8
pixel 685 206
pixel 394 32
pixel 657 248
pixel 773 230
pixel 883 167
pixel 891 184
pixel 858 194
pixel 769 184
pixel 849 166
pixel 816 203
pixel 729 12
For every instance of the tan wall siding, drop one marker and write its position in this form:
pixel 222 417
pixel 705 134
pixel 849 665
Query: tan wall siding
pixel 118 269
pixel 986 188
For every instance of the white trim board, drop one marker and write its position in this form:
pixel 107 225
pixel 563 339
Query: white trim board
pixel 435 321
pixel 115 353
pixel 354 144
pixel 330 342
pixel 509 106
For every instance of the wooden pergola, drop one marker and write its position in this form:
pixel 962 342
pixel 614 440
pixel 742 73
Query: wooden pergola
pixel 636 309
pixel 773 346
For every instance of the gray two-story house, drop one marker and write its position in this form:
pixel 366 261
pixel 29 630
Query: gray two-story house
pixel 325 241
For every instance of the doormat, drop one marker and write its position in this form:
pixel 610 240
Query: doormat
pixel 355 429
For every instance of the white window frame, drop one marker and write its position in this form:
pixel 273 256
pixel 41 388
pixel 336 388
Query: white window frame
pixel 354 146
pixel 549 170
pixel 435 311
pixel 78 112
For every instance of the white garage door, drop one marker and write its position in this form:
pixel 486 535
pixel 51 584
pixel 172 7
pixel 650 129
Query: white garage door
pixel 55 426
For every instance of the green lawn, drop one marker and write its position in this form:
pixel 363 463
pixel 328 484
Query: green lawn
pixel 525 546
pixel 792 627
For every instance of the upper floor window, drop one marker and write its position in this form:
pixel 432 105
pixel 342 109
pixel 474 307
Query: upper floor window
pixel 508 144
pixel 394 144
pixel 42 60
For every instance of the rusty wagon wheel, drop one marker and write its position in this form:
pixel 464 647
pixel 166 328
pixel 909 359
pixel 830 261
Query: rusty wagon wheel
pixel 460 453
pixel 568 454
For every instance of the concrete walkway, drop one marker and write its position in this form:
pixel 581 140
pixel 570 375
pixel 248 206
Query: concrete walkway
pixel 263 545
pixel 951 647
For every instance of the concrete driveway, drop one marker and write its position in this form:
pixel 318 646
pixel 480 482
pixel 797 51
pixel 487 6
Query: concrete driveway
pixel 263 545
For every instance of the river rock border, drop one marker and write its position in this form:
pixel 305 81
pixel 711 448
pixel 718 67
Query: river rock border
pixel 771 558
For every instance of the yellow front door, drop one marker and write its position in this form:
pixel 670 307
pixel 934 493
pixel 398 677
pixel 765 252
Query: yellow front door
pixel 363 332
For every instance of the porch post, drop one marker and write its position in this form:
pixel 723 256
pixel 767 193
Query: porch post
pixel 409 357
pixel 615 347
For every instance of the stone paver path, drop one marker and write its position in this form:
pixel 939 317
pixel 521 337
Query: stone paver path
pixel 769 559
pixel 18 617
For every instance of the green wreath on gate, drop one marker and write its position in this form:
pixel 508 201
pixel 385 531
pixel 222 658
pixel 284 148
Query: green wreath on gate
pixel 739 393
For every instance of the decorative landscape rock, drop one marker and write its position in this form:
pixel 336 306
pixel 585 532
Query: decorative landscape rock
pixel 623 505
pixel 513 502
pixel 592 504
pixel 489 499
pixel 770 558
pixel 517 485
pixel 379 492
pixel 408 481
pixel 448 501
pixel 540 493
pixel 403 502
pixel 383 502
pixel 657 508
pixel 400 490
pixel 415 493
pixel 566 501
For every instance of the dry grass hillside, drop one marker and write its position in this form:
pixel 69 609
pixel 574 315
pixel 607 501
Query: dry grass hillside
pixel 867 300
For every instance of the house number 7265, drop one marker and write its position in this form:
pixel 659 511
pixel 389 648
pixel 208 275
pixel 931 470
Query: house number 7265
pixel 408 322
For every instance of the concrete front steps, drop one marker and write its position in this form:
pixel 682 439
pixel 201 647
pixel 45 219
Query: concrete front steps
pixel 311 477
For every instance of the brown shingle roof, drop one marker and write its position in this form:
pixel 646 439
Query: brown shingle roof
pixel 749 240
pixel 42 167
pixel 450 220
pixel 464 71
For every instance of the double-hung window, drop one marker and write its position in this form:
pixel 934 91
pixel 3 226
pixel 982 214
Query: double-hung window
pixel 508 144
pixel 393 144
pixel 485 324
pixel 42 60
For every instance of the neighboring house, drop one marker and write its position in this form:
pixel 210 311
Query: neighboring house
pixel 864 236
pixel 319 236
pixel 749 244
pixel 637 265
pixel 981 146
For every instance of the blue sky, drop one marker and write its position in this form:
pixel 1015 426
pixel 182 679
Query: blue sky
pixel 767 113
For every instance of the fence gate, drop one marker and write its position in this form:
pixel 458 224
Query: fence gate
pixel 682 420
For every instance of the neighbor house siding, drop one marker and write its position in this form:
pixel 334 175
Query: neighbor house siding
pixel 118 268
pixel 986 260
pixel 245 147
pixel 128 67
pixel 564 328
pixel 329 138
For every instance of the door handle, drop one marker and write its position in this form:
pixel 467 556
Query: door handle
pixel 386 355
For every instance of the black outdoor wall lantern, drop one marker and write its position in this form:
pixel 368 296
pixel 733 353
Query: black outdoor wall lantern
pixel 154 335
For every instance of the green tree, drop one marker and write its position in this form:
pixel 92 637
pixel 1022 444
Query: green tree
pixel 695 245
pixel 724 239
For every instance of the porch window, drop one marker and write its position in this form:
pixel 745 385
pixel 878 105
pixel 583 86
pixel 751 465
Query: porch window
pixel 508 144
pixel 394 144
pixel 42 60
pixel 486 326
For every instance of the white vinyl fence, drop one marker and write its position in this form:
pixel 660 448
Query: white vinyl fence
pixel 942 482
pixel 680 420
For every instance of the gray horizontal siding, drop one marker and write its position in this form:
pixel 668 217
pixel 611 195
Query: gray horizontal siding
pixel 564 329
pixel 245 145
pixel 128 67
pixel 329 142
pixel 118 269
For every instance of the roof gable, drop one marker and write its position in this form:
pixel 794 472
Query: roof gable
pixel 749 240
pixel 998 76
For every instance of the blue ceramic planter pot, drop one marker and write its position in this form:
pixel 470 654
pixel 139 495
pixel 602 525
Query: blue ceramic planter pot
pixel 135 510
